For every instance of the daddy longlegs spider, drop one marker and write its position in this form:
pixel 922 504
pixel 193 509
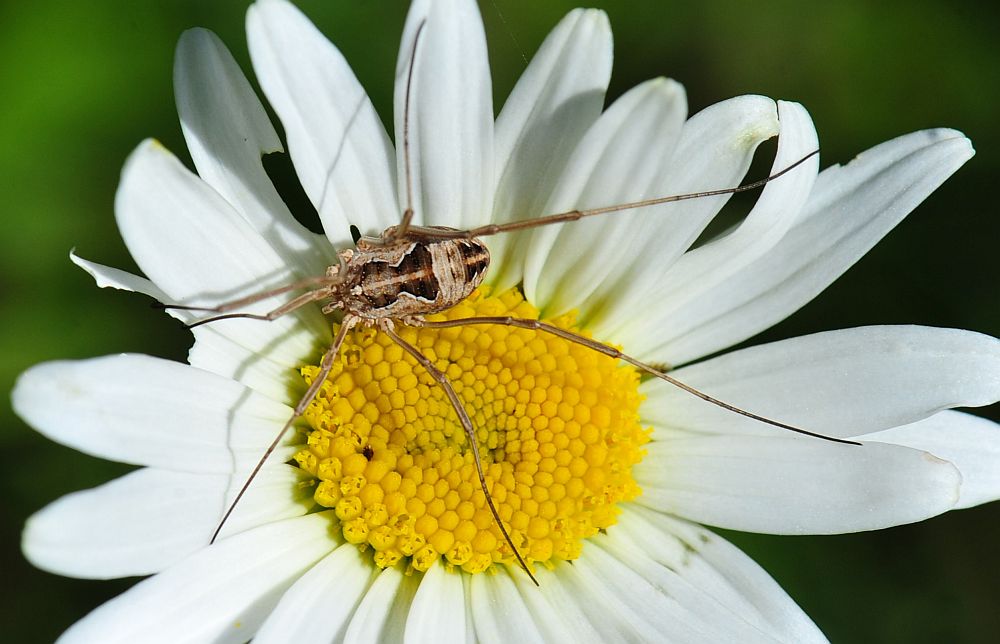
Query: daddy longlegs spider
pixel 409 272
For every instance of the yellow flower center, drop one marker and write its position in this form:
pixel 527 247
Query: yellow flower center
pixel 557 425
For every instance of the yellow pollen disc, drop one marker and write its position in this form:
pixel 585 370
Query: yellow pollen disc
pixel 557 425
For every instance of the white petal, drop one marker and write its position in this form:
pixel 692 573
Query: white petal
pixel 195 247
pixel 108 277
pixel 221 594
pixel 795 485
pixel 167 214
pixel 450 119
pixel 147 411
pixel 557 98
pixel 381 617
pixel 499 612
pixel 318 607
pixel 556 609
pixel 268 373
pixel 838 383
pixel 624 157
pixel 698 273
pixel 279 491
pixel 271 374
pixel 438 610
pixel 254 354
pixel 340 149
pixel 849 210
pixel 148 520
pixel 227 131
pixel 970 443
pixel 708 575
pixel 136 525
pixel 704 619
pixel 715 149
pixel 623 604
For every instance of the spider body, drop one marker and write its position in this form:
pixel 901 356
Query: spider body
pixel 392 277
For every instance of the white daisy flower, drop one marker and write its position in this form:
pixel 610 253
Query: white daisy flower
pixel 368 523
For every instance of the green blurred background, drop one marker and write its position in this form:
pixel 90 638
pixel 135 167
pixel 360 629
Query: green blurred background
pixel 83 83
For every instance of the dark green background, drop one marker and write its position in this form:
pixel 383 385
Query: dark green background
pixel 82 83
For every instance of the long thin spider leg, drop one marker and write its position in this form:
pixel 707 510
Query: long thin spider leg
pixel 574 215
pixel 538 325
pixel 321 280
pixel 463 417
pixel 324 370
pixel 404 225
pixel 284 309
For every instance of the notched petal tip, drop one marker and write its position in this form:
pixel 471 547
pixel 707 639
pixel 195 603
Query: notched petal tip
pixel 947 134
pixel 961 144
pixel 957 145
pixel 971 443
pixel 594 20
pixel 950 475
pixel 762 125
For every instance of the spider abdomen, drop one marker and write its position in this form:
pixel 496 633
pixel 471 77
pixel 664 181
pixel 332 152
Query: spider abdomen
pixel 411 276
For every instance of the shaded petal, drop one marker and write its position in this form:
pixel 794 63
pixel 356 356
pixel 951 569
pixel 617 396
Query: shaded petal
pixel 500 613
pixel 557 610
pixel 557 98
pixel 623 157
pixel 850 209
pixel 714 150
pixel 708 575
pixel 273 374
pixel 381 616
pixel 470 624
pixel 227 131
pixel 108 277
pixel 148 520
pixel 438 609
pixel 270 374
pixel 794 485
pixel 220 594
pixel 147 411
pixel 622 602
pixel 450 117
pixel 700 271
pixel 839 383
pixel 970 443
pixel 340 149
pixel 199 251
pixel 318 607
pixel 702 616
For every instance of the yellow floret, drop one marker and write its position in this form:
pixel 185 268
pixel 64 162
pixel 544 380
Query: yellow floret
pixel 556 423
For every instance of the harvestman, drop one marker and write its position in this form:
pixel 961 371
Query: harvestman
pixel 409 272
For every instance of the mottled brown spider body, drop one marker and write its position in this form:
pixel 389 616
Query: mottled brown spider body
pixel 398 278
